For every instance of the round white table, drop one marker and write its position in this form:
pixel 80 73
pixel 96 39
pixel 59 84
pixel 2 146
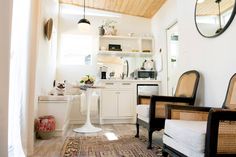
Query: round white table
pixel 88 127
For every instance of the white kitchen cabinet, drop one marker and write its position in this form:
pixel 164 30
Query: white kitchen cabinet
pixel 118 103
pixel 109 104
pixel 125 103
pixel 119 99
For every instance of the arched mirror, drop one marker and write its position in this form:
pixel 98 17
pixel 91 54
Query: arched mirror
pixel 213 17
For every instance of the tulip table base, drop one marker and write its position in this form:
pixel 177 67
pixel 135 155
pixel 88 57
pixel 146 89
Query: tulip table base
pixel 88 127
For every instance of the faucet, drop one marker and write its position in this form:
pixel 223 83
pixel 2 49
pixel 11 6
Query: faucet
pixel 122 75
pixel 127 68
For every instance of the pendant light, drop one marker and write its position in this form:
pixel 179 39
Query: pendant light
pixel 84 24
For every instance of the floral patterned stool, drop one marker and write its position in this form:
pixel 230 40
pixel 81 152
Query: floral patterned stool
pixel 45 126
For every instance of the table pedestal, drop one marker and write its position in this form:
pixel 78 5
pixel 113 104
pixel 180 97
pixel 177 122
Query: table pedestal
pixel 88 127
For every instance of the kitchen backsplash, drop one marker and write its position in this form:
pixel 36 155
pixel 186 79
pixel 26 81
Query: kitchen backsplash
pixel 118 65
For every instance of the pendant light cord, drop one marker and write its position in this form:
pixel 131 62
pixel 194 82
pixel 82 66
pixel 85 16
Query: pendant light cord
pixel 83 20
pixel 218 2
pixel 219 14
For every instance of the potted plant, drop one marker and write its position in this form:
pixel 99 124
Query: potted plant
pixel 109 27
pixel 89 80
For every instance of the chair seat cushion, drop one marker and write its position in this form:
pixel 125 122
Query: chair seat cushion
pixel 143 112
pixel 181 147
pixel 190 135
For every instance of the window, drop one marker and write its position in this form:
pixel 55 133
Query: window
pixel 215 19
pixel 76 49
pixel 226 16
pixel 207 19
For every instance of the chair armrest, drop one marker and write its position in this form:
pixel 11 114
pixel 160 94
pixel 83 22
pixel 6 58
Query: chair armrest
pixel 219 114
pixel 220 119
pixel 171 99
pixel 144 96
pixel 187 112
pixel 168 99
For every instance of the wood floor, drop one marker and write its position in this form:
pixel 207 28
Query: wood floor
pixel 52 147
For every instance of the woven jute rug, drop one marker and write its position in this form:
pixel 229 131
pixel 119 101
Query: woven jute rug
pixel 100 146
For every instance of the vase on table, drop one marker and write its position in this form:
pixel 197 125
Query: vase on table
pixel 101 31
pixel 89 82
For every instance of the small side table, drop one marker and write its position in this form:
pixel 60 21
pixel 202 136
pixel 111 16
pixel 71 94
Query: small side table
pixel 88 127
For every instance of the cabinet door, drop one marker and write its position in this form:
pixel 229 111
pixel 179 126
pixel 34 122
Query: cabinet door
pixel 126 103
pixel 109 104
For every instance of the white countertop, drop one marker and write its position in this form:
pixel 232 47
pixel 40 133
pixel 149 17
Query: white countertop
pixel 129 80
pixel 53 98
pixel 56 97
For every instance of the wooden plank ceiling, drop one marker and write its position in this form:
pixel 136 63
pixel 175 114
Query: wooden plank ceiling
pixel 209 7
pixel 142 8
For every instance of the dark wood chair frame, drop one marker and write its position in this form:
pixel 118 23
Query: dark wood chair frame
pixel 156 124
pixel 215 116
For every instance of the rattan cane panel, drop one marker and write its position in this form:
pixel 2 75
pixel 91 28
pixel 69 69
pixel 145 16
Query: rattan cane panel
pixel 189 115
pixel 231 95
pixel 145 101
pixel 233 98
pixel 186 85
pixel 227 138
pixel 160 109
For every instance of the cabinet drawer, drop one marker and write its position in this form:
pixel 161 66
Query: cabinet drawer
pixel 109 85
pixel 118 85
pixel 126 85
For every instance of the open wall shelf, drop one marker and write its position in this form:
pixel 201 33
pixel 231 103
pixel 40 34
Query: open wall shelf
pixel 130 46
pixel 123 53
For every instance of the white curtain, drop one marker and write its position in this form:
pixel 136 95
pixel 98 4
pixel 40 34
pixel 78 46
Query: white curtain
pixel 16 102
pixel 18 78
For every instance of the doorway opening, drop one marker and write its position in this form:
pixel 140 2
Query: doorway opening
pixel 172 57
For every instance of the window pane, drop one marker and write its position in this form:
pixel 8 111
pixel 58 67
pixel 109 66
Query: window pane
pixel 76 49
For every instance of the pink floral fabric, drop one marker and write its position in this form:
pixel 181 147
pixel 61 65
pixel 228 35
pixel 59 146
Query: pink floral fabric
pixel 46 124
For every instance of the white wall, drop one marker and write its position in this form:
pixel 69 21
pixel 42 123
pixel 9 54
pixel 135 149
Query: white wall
pixel 5 29
pixel 42 58
pixel 47 49
pixel 69 17
pixel 213 58
pixel 166 17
